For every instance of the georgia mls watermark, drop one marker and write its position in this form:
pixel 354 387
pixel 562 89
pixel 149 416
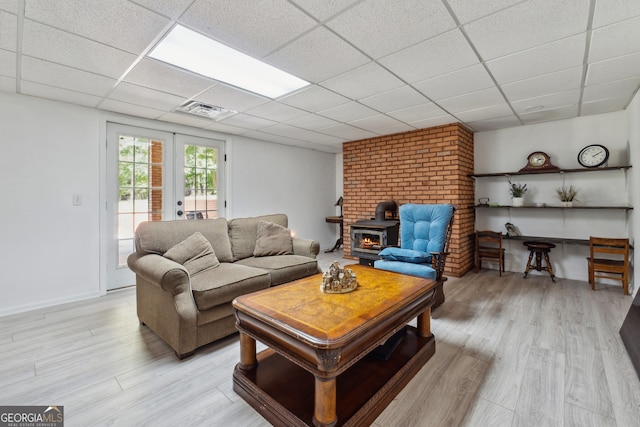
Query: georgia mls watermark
pixel 31 416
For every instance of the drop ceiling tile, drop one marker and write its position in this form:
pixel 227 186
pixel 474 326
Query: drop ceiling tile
pixel 348 112
pixel 363 81
pixel 545 59
pixel 10 6
pixel 486 113
pixel 466 10
pixel 472 101
pixel 276 111
pixel 160 76
pixel 526 25
pixel 617 89
pixel 434 121
pixel 186 119
pixel 323 10
pixel 320 138
pixel 120 23
pixel 7 84
pixel 431 57
pixel 247 121
pixel 8 31
pixel 170 8
pixel 317 56
pixel 139 95
pixel 64 95
pixel 224 128
pixel 610 11
pixel 614 40
pixel 231 98
pixel 311 122
pixel 544 85
pixel 381 124
pixel 379 27
pixel 459 82
pixel 7 63
pixel 418 112
pixel 565 112
pixel 347 132
pixel 256 30
pixel 395 99
pixel 604 105
pixel 619 68
pixel 130 109
pixel 547 102
pixel 281 129
pixel 41 41
pixel 51 74
pixel 493 124
pixel 313 99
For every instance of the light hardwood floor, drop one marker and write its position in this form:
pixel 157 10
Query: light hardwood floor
pixel 509 352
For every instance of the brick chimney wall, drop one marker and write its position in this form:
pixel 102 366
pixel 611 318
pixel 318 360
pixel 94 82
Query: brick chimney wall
pixel 422 166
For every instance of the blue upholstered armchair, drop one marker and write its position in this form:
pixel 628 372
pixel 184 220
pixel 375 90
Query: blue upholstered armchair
pixel 424 240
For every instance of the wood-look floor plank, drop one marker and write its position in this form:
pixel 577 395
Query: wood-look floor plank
pixel 541 398
pixel 509 351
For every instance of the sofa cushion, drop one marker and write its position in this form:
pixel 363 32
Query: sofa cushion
pixel 157 237
pixel 273 239
pixel 405 255
pixel 222 284
pixel 195 253
pixel 243 233
pixel 284 268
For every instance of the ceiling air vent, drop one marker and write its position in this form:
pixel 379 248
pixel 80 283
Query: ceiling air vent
pixel 204 110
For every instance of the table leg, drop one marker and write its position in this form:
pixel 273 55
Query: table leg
pixel 549 267
pixel 528 264
pixel 324 410
pixel 248 360
pixel 424 323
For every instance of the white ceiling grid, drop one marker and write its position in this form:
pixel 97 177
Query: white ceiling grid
pixel 375 66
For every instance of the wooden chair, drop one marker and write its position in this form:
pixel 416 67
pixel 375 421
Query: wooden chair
pixel 609 259
pixel 489 247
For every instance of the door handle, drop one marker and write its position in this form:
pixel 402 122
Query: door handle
pixel 180 213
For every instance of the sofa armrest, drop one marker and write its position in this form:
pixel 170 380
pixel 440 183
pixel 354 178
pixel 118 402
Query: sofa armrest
pixel 163 272
pixel 306 247
pixel 438 260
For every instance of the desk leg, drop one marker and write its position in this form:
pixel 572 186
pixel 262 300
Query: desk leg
pixel 248 360
pixel 424 323
pixel 324 410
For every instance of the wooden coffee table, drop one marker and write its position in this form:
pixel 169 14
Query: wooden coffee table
pixel 319 368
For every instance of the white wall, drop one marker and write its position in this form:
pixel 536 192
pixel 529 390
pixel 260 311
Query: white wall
pixel 273 178
pixel 506 150
pixel 633 117
pixel 51 250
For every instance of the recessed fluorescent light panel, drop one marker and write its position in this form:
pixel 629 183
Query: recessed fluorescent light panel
pixel 190 50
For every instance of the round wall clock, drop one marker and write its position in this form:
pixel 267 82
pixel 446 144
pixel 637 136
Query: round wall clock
pixel 593 155
pixel 538 160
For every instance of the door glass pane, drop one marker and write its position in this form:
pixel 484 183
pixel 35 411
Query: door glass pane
pixel 200 182
pixel 140 189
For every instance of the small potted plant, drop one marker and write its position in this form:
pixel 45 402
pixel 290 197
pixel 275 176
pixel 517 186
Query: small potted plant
pixel 517 191
pixel 567 195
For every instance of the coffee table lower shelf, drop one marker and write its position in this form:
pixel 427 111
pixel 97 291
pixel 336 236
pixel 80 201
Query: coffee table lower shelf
pixel 282 391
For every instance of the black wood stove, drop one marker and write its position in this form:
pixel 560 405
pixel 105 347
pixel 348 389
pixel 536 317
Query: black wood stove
pixel 369 237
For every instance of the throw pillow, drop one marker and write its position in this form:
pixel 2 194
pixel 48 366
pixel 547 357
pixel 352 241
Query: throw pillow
pixel 273 239
pixel 195 253
pixel 405 255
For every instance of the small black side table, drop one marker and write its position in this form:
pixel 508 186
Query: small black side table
pixel 336 220
pixel 540 249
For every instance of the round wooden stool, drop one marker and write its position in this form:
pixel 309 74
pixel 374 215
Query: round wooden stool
pixel 539 249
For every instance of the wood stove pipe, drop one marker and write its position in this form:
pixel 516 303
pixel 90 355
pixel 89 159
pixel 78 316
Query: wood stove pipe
pixel 384 207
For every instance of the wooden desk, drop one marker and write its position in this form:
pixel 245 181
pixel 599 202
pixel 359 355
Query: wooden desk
pixel 317 370
pixel 336 220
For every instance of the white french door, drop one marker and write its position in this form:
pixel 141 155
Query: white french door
pixel 156 176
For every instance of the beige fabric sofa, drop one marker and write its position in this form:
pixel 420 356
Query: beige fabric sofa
pixel 189 311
